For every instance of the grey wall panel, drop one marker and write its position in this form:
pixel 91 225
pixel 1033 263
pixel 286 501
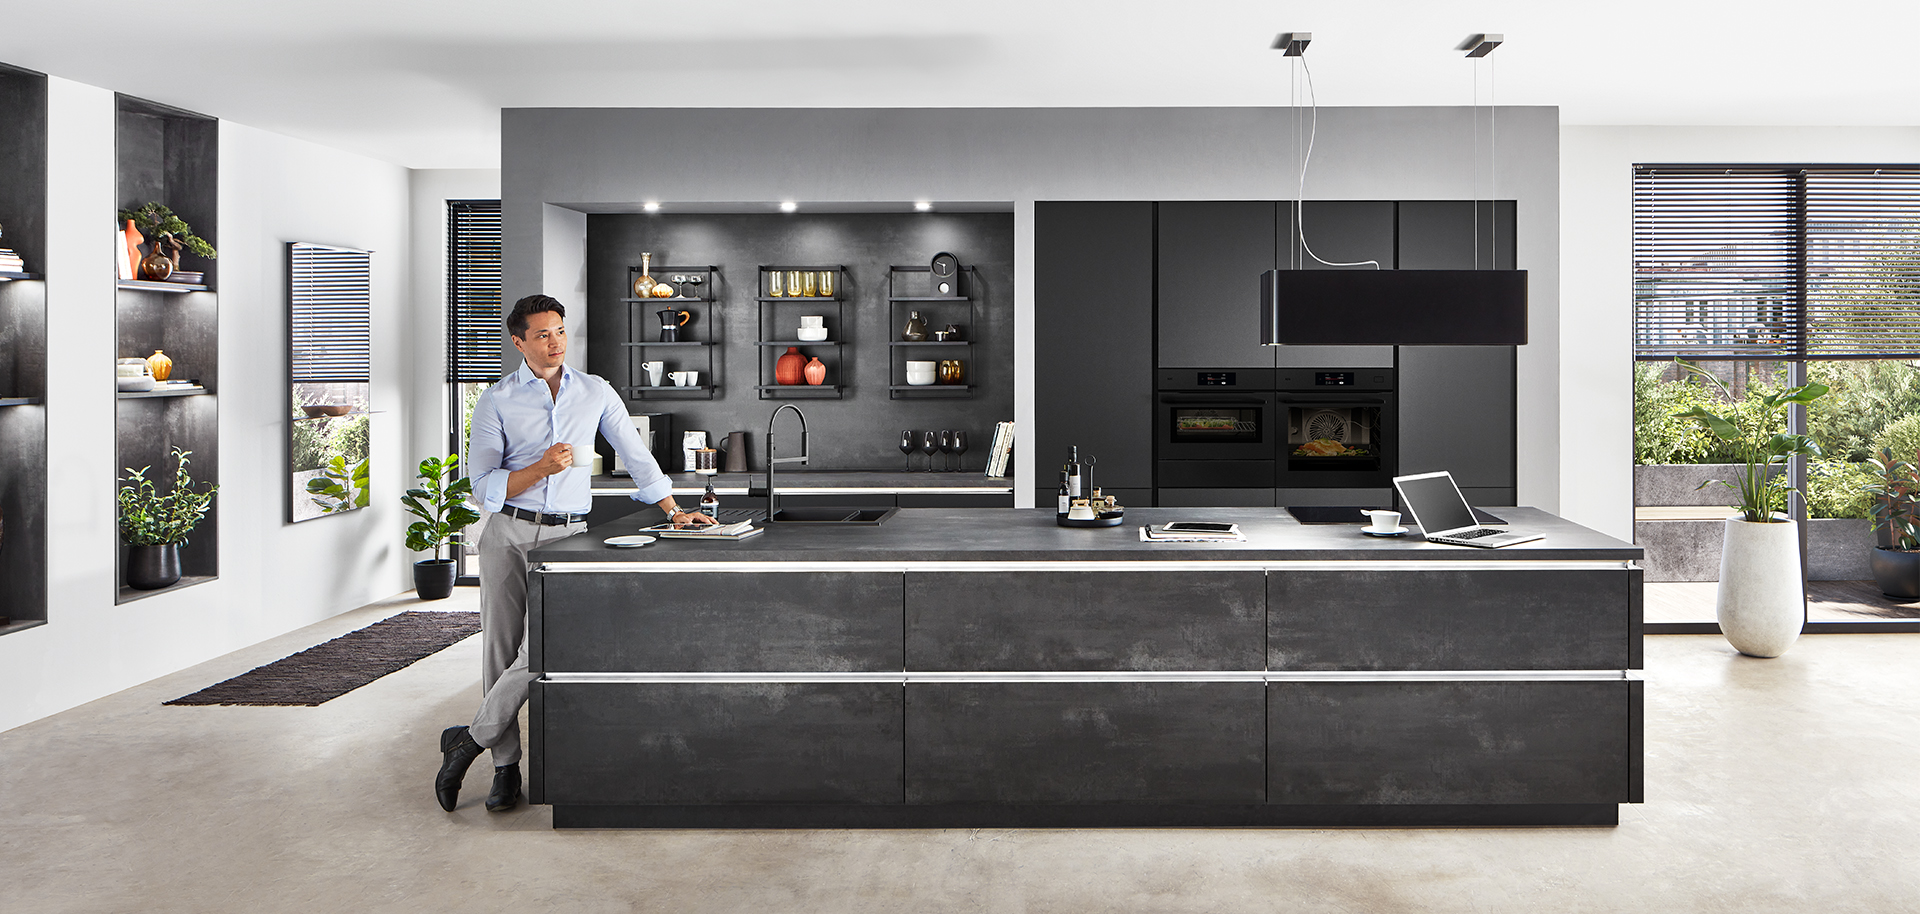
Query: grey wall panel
pixel 1085 621
pixel 1449 742
pixel 1085 743
pixel 684 743
pixel 1093 339
pixel 1448 620
pixel 1441 234
pixel 1211 255
pixel 1457 413
pixel 720 622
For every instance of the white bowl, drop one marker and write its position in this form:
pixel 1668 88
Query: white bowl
pixel 927 366
pixel 811 335
pixel 920 378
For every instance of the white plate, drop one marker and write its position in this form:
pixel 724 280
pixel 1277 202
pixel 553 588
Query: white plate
pixel 1372 532
pixel 629 542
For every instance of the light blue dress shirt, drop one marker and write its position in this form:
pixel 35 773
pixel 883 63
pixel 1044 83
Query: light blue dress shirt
pixel 518 418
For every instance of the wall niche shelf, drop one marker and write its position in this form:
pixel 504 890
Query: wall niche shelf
pixel 938 311
pixel 779 315
pixel 642 322
pixel 23 360
pixel 169 155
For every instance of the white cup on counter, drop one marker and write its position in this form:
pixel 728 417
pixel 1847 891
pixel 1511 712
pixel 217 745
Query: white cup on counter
pixel 1383 521
pixel 920 373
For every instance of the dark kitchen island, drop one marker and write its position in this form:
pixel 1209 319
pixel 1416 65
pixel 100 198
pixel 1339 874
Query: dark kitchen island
pixel 986 667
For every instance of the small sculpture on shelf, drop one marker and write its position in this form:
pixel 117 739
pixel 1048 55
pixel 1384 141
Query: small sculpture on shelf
pixel 170 235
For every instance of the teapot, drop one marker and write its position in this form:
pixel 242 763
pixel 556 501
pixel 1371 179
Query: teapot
pixel 670 326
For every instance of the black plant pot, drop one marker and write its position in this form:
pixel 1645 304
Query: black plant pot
pixel 433 578
pixel 1897 573
pixel 153 567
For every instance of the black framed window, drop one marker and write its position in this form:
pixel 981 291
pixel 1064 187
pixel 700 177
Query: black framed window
pixel 473 291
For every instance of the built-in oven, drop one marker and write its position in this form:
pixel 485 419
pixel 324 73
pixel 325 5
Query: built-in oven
pixel 1216 429
pixel 1338 428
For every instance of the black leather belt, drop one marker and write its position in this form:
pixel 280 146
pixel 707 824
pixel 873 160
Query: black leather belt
pixel 544 520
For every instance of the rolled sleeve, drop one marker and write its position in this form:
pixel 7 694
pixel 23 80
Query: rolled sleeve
pixel 652 484
pixel 486 451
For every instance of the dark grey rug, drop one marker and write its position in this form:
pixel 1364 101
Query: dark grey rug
pixel 328 671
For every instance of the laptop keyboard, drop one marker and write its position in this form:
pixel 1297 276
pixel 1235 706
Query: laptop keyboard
pixel 1474 534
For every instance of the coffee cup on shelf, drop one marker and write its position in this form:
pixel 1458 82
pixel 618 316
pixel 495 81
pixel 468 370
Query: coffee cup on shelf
pixel 1383 521
pixel 684 378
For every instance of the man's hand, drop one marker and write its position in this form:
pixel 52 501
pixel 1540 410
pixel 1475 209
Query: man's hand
pixel 692 519
pixel 557 459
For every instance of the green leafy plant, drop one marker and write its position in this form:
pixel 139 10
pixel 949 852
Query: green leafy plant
pixel 1865 398
pixel 1896 491
pixel 148 518
pixel 441 505
pixel 157 222
pixel 339 487
pixel 1759 448
pixel 1836 487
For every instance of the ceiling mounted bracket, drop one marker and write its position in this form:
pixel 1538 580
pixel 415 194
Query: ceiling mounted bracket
pixel 1294 43
pixel 1480 44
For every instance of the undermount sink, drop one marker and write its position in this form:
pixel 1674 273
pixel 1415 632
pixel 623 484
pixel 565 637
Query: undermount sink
pixel 865 517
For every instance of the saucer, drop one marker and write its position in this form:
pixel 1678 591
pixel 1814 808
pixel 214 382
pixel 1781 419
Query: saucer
pixel 628 542
pixel 1397 531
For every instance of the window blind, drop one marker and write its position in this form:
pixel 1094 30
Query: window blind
pixel 474 312
pixel 331 299
pixel 1776 262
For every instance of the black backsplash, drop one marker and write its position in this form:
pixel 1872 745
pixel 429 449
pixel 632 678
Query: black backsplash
pixel 862 429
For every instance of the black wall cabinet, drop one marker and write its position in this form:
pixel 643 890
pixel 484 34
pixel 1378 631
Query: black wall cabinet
pixel 1211 255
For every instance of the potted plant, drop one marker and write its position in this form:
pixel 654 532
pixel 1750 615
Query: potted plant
pixel 1761 603
pixel 1896 509
pixel 441 505
pixel 155 526
pixel 170 234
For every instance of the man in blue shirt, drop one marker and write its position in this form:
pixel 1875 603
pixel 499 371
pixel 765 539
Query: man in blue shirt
pixel 526 430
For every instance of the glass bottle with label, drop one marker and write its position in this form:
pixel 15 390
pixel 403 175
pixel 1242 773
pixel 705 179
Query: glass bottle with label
pixel 710 502
pixel 1066 497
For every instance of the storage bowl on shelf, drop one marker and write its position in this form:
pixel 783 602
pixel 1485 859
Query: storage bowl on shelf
pixel 327 409
pixel 921 373
pixel 186 276
pixel 811 334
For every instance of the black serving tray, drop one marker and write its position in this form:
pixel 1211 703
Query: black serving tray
pixel 1103 520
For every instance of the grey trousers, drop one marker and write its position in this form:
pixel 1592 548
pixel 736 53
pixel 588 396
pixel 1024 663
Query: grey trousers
pixel 503 629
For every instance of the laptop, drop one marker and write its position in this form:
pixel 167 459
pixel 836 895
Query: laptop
pixel 1443 514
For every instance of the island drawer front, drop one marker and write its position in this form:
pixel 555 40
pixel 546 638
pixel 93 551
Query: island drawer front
pixel 715 622
pixel 1450 620
pixel 1085 621
pixel 614 743
pixel 1482 742
pixel 1085 742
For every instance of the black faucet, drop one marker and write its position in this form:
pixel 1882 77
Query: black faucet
pixel 773 502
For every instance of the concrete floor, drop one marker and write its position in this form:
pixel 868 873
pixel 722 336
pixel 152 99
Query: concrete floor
pixel 1772 785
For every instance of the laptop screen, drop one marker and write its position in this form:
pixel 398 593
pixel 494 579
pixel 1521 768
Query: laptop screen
pixel 1435 502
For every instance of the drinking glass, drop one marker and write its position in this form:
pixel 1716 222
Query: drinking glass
pixel 826 283
pixel 946 446
pixel 959 447
pixel 793 283
pixel 908 446
pixel 808 283
pixel 930 444
pixel 773 284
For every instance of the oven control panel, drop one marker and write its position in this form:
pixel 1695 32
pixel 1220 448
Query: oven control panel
pixel 1214 379
pixel 1333 379
pixel 1306 380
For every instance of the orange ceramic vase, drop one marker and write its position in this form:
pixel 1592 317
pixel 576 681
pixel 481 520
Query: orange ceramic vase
pixel 789 368
pixel 161 365
pixel 816 372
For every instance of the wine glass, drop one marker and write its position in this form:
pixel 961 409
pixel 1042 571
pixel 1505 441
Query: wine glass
pixel 908 446
pixel 959 447
pixel 946 445
pixel 930 443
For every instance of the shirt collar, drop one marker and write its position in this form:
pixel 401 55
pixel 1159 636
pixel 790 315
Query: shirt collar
pixel 524 375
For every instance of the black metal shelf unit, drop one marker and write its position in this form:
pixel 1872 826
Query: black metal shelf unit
pixel 914 292
pixel 642 322
pixel 172 156
pixel 775 319
pixel 23 360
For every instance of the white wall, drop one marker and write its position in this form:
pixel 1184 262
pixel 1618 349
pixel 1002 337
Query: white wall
pixel 1596 264
pixel 273 577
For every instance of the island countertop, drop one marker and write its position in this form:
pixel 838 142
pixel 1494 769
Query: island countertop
pixel 1028 535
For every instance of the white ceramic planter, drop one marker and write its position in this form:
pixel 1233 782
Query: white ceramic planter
pixel 1762 602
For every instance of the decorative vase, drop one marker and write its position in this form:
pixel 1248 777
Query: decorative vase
pixel 816 372
pixel 1897 572
pixel 643 284
pixel 916 330
pixel 132 237
pixel 161 365
pixel 1762 598
pixel 433 578
pixel 153 567
pixel 951 371
pixel 789 368
pixel 156 266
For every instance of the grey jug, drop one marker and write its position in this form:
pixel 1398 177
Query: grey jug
pixel 735 447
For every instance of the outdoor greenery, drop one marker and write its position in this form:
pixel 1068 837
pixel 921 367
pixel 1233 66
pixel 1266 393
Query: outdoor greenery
pixel 148 518
pixel 1866 397
pixel 1895 488
pixel 441 505
pixel 1837 487
pixel 340 487
pixel 317 441
pixel 1749 426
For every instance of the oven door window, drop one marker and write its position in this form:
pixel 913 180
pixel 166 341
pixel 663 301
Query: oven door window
pixel 1333 437
pixel 1217 425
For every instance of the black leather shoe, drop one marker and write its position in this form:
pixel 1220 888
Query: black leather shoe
pixel 506 788
pixel 459 750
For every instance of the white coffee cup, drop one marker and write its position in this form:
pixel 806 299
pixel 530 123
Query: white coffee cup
pixel 654 370
pixel 1383 521
pixel 684 378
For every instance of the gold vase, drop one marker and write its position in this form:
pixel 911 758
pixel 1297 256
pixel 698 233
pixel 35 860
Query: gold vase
pixel 161 365
pixel 643 284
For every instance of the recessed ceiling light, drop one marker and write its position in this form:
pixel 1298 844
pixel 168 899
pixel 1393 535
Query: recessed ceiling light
pixel 651 206
pixel 921 206
pixel 788 206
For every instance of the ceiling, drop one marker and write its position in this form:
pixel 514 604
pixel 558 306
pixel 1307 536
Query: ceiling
pixel 421 84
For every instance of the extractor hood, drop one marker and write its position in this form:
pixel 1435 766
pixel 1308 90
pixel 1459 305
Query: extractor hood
pixel 1393 307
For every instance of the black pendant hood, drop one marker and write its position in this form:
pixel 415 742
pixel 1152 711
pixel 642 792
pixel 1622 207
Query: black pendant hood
pixel 1393 307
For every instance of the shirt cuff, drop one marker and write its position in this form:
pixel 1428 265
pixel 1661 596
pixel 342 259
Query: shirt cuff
pixel 653 493
pixel 495 497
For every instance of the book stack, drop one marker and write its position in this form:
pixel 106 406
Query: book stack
pixel 1189 532
pixel 738 531
pixel 1001 450
pixel 10 262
